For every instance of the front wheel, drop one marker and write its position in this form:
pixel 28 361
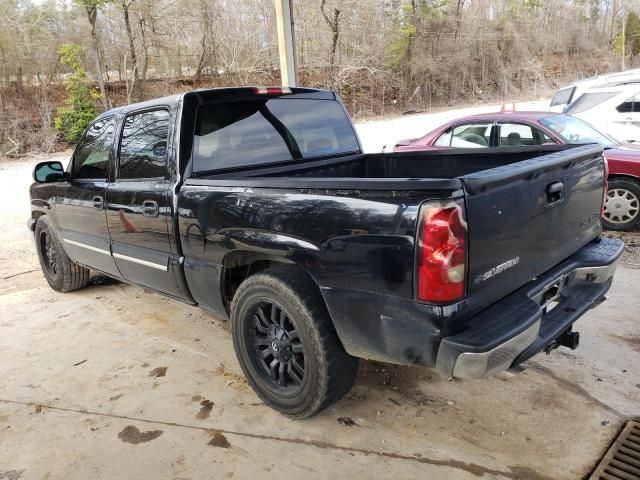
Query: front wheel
pixel 60 271
pixel 622 205
pixel 286 344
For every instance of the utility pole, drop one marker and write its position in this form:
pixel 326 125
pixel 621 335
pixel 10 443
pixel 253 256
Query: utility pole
pixel 624 38
pixel 286 43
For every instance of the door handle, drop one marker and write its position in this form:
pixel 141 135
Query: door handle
pixel 555 193
pixel 98 203
pixel 150 208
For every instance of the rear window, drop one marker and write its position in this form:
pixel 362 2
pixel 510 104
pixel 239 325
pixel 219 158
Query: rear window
pixel 563 96
pixel 468 135
pixel 589 100
pixel 237 134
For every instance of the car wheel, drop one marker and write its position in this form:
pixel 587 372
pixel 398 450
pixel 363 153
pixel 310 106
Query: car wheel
pixel 286 344
pixel 622 205
pixel 60 271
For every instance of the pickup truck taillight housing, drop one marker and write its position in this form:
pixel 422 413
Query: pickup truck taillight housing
pixel 441 256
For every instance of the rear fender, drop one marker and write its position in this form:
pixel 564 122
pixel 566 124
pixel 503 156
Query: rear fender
pixel 256 250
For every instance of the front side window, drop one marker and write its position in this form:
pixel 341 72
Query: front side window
pixel 143 147
pixel 91 159
pixel 238 134
pixel 469 135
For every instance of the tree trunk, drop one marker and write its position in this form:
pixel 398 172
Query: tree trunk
pixel 204 40
pixel 334 25
pixel 19 79
pixel 145 48
pixel 92 14
pixel 132 51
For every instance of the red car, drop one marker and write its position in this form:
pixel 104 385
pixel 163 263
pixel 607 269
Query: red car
pixel 622 210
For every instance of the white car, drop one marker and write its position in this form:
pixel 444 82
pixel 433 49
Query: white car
pixel 566 95
pixel 614 110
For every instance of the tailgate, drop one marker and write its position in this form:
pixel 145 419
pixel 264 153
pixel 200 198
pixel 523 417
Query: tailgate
pixel 526 217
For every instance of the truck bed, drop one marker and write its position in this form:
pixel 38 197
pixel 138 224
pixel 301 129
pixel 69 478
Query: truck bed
pixel 504 190
pixel 401 168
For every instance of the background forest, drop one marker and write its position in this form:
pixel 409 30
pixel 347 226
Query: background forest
pixel 64 61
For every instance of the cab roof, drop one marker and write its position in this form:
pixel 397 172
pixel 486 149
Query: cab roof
pixel 208 95
pixel 511 115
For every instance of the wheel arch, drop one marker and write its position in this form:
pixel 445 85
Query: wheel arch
pixel 624 176
pixel 239 265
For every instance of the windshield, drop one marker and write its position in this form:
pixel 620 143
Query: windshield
pixel 238 134
pixel 574 130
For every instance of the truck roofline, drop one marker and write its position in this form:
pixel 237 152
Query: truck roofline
pixel 206 95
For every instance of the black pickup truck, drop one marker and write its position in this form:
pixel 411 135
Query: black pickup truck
pixel 258 205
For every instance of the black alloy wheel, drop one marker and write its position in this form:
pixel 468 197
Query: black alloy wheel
pixel 278 347
pixel 62 274
pixel 49 253
pixel 286 343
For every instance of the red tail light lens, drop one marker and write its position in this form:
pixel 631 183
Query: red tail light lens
pixel 606 186
pixel 442 252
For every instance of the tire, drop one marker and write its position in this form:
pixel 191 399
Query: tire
pixel 622 209
pixel 281 312
pixel 60 271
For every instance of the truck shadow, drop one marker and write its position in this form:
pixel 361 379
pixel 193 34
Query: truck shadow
pixel 98 280
pixel 398 384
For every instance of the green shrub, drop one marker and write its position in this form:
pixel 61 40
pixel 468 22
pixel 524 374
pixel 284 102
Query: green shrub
pixel 79 110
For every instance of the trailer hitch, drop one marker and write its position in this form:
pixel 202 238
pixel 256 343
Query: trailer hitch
pixel 568 338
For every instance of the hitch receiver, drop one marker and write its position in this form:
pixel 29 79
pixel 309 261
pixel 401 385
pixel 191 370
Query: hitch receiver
pixel 569 339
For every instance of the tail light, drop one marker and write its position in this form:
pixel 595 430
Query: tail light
pixel 606 186
pixel 271 90
pixel 442 252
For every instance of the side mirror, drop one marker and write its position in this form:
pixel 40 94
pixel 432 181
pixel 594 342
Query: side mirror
pixel 46 172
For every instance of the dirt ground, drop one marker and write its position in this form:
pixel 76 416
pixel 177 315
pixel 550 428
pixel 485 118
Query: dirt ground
pixel 115 382
pixel 631 255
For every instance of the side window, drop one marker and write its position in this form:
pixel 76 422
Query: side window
pixel 630 105
pixel 143 147
pixel 444 140
pixel 516 134
pixel 563 96
pixel 91 160
pixel 471 135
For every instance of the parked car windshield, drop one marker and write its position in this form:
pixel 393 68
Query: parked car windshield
pixel 574 130
pixel 238 134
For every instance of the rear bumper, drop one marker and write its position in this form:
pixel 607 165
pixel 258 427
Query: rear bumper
pixel 523 324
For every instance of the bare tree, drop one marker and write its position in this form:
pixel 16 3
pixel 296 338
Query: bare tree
pixel 135 82
pixel 207 40
pixel 379 55
pixel 91 7
pixel 334 24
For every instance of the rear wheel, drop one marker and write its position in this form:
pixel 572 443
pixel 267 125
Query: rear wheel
pixel 622 206
pixel 286 344
pixel 60 271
